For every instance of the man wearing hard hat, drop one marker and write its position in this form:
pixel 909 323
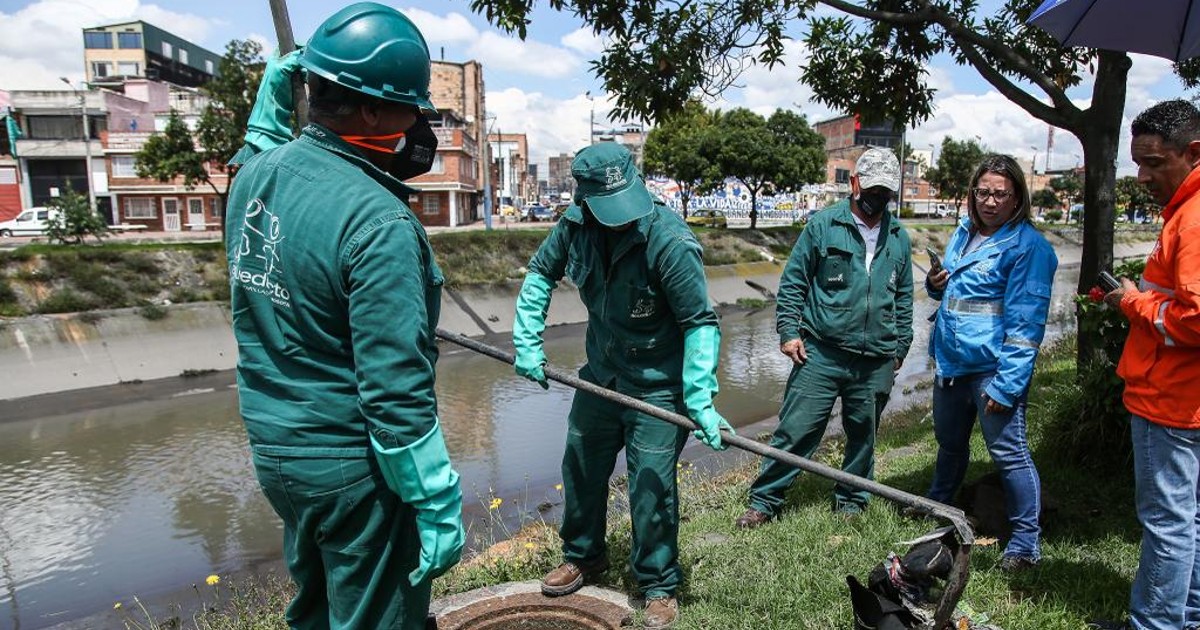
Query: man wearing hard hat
pixel 335 298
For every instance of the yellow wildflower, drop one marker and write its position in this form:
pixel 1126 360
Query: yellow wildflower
pixel 558 486
pixel 496 501
pixel 530 545
pixel 117 606
pixel 212 580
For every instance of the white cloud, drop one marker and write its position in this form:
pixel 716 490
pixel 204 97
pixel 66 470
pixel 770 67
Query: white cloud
pixel 443 29
pixel 510 54
pixel 552 125
pixel 44 40
pixel 584 41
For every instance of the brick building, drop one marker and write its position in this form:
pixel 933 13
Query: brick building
pixel 452 192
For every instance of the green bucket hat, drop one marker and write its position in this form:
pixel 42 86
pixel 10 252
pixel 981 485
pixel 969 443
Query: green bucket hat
pixel 609 182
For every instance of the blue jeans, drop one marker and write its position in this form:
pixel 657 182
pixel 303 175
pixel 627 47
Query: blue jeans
pixel 957 403
pixel 1166 465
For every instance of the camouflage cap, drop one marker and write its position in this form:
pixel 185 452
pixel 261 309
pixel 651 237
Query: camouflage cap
pixel 878 167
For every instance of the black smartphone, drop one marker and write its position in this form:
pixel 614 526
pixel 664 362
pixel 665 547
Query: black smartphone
pixel 935 260
pixel 1108 282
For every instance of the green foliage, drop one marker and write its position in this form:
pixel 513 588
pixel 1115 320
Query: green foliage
pixel 153 312
pixel 765 155
pixel 75 220
pixel 1053 215
pixel 8 295
pixel 1045 198
pixel 1068 187
pixel 1090 425
pixel 1132 195
pixel 67 301
pixel 676 148
pixel 956 162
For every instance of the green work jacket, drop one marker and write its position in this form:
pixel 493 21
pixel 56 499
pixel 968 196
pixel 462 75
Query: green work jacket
pixel 335 298
pixel 640 303
pixel 826 293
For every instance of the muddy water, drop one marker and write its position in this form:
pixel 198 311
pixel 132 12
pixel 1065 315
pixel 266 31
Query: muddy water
pixel 147 498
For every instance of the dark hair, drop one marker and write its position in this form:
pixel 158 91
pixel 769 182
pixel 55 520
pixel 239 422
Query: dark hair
pixel 330 101
pixel 1177 122
pixel 1001 165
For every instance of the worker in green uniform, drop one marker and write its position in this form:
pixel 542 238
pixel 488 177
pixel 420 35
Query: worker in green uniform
pixel 844 318
pixel 651 334
pixel 335 298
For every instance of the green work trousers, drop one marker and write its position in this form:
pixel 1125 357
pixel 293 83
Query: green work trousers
pixel 863 383
pixel 597 431
pixel 349 541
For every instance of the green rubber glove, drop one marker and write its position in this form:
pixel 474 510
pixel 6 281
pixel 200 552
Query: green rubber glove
pixel 701 349
pixel 421 474
pixel 530 320
pixel 270 122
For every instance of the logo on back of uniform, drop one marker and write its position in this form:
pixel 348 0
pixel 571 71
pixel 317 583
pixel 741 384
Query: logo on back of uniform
pixel 256 263
pixel 643 308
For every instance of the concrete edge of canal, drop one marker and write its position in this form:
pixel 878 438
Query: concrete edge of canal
pixel 59 353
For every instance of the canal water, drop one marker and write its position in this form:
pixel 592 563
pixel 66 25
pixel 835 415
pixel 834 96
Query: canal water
pixel 147 498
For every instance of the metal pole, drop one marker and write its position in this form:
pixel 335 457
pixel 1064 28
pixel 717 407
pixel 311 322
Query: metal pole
pixel 283 32
pixel 958 521
pixel 903 150
pixel 486 165
pixel 87 143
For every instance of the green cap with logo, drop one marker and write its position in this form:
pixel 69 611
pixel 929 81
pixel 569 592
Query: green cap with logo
pixel 608 181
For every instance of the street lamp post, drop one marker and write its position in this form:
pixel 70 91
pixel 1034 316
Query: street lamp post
pixel 1033 165
pixel 486 164
pixel 87 143
pixel 928 186
pixel 591 118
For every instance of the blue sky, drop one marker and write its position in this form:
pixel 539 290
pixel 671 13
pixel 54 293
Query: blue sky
pixel 537 86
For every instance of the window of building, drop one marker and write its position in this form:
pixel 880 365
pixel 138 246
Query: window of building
pixel 124 166
pixel 129 68
pixel 129 41
pixel 208 66
pixel 55 127
pixel 140 208
pixel 166 49
pixel 97 39
pixel 101 69
pixel 841 176
pixel 214 208
pixel 439 165
pixel 431 203
pixel 183 55
pixel 8 175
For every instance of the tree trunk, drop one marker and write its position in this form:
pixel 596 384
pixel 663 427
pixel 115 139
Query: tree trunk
pixel 753 208
pixel 1100 133
pixel 685 195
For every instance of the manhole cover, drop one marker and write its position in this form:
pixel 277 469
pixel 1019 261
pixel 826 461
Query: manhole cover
pixel 521 606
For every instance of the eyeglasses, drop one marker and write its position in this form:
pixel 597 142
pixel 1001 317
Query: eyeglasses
pixel 981 194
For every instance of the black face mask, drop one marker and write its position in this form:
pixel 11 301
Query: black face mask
pixel 420 147
pixel 873 202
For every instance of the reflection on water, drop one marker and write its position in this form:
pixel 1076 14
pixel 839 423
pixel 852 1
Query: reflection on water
pixel 148 498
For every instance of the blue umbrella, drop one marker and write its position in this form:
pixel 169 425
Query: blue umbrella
pixel 1164 28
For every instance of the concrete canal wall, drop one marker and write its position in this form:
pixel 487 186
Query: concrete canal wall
pixel 57 353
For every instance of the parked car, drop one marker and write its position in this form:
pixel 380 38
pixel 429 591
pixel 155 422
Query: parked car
pixel 707 218
pixel 31 222
pixel 539 213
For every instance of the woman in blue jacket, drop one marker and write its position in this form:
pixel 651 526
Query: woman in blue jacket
pixel 994 286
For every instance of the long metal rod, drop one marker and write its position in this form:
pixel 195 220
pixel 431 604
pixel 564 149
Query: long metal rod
pixel 287 43
pixel 962 529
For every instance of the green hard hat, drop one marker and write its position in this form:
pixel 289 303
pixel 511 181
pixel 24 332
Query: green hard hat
pixel 374 49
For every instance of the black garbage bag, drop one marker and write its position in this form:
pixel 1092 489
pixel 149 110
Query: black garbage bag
pixel 899 587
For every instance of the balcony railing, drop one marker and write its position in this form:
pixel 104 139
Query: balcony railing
pixel 451 138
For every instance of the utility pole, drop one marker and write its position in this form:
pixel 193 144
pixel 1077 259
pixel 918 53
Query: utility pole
pixel 287 43
pixel 87 142
pixel 591 119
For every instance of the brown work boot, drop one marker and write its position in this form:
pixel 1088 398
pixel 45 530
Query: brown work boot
pixel 751 518
pixel 569 577
pixel 661 612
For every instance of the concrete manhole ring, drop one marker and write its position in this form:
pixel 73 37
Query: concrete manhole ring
pixel 521 606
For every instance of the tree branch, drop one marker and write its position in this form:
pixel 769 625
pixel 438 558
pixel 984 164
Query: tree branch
pixel 960 33
pixel 1024 100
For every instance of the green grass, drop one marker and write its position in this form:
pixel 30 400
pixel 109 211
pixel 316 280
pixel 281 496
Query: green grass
pixel 791 573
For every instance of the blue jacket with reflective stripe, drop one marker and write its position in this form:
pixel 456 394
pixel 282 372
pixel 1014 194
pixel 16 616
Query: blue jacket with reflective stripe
pixel 994 308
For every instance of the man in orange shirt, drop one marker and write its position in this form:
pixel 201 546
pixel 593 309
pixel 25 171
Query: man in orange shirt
pixel 1161 366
